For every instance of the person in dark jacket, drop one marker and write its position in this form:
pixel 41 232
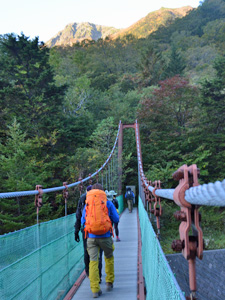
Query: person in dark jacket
pixel 80 207
pixel 116 204
pixel 130 198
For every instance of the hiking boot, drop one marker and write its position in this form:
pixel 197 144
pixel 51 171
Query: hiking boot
pixel 97 294
pixel 109 286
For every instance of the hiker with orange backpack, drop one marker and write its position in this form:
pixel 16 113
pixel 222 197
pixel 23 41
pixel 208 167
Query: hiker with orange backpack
pixel 97 217
pixel 77 226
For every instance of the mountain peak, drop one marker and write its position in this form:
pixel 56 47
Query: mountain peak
pixel 76 32
pixel 152 21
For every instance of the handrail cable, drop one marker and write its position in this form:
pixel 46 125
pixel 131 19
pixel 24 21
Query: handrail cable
pixel 60 188
pixel 211 194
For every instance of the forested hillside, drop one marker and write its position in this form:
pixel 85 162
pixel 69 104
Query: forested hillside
pixel 60 109
pixel 151 22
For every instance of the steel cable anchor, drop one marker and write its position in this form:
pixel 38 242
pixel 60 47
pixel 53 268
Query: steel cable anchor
pixel 157 211
pixel 190 245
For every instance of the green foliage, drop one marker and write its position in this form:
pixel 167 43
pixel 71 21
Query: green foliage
pixel 16 164
pixel 60 108
pixel 170 107
pixel 19 170
pixel 27 83
pixel 169 225
pixel 153 21
pixel 151 65
pixel 104 136
pixel 176 64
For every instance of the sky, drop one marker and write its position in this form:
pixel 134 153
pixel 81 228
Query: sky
pixel 45 18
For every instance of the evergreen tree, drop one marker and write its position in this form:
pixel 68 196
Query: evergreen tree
pixel 19 171
pixel 212 118
pixel 213 99
pixel 28 91
pixel 176 64
pixel 151 66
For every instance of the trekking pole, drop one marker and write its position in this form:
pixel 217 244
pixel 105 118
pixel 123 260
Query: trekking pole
pixel 80 185
pixel 90 180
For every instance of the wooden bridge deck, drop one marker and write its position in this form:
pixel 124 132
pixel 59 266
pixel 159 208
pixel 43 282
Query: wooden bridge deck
pixel 126 257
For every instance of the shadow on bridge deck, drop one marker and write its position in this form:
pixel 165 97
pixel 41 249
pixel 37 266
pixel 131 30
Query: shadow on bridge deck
pixel 126 256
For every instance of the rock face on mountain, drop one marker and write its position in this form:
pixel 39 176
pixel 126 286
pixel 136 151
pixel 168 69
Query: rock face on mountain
pixel 76 32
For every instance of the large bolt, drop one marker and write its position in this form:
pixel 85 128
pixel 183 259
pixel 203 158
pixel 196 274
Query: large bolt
pixel 180 215
pixel 157 212
pixel 177 245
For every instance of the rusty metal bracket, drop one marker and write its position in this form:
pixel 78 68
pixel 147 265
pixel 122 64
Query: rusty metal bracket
pixel 65 191
pixel 157 205
pixel 190 245
pixel 38 198
pixel 157 210
pixel 147 193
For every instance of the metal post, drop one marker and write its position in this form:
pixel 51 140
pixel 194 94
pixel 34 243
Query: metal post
pixel 38 200
pixel 38 203
pixel 65 195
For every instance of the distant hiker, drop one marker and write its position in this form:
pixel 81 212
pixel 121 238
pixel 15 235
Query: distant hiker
pixel 80 207
pixel 116 204
pixel 97 217
pixel 130 198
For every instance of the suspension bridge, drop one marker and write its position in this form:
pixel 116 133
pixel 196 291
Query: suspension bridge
pixel 44 262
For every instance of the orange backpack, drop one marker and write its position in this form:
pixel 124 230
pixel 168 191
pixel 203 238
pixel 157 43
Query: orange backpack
pixel 97 218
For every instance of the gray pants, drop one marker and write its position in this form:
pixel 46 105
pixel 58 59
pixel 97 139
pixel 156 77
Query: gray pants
pixel 130 205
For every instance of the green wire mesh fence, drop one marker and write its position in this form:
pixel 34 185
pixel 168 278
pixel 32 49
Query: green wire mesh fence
pixel 159 280
pixel 40 262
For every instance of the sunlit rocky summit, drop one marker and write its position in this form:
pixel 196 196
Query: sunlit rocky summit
pixel 77 32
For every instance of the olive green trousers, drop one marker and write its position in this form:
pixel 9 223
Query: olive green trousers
pixel 93 248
